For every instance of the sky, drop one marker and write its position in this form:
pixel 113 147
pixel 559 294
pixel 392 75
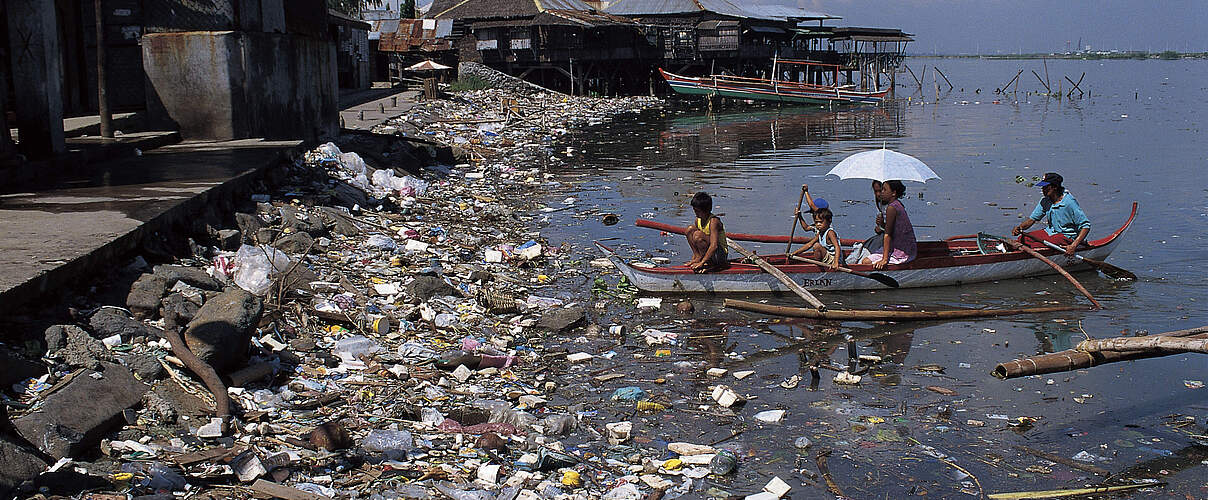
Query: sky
pixel 1028 26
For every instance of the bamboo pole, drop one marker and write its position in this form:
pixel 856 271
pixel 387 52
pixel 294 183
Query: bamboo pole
pixel 1074 359
pixel 937 70
pixel 1009 82
pixel 879 315
pixel 1152 343
pixel 1046 86
pixel 788 282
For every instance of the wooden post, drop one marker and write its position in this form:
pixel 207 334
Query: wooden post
pixel 102 99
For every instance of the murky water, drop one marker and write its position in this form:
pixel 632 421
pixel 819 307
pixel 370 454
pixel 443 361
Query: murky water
pixel 1139 136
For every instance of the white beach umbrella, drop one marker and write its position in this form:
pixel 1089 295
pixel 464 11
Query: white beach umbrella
pixel 428 65
pixel 883 165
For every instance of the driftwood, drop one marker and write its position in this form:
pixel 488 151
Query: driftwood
pixel 879 315
pixel 1074 359
pixel 222 400
pixel 1152 343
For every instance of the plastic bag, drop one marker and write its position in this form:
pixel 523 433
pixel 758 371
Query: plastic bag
pixel 354 165
pixel 256 267
pixel 393 444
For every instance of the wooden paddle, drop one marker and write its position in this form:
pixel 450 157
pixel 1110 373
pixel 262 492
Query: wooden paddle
pixel 1028 250
pixel 778 274
pixel 796 220
pixel 884 279
pixel 1104 267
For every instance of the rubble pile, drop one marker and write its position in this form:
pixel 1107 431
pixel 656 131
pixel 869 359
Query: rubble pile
pixel 363 333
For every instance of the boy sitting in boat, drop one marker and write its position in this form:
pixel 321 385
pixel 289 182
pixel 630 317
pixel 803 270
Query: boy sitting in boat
pixel 825 244
pixel 707 237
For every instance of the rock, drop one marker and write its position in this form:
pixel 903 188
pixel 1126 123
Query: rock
pixel 72 420
pixel 562 319
pixel 298 278
pixel 191 276
pixel 684 307
pixel 145 366
pixel 222 329
pixel 75 347
pixel 426 287
pixel 249 225
pixel 17 369
pixel 19 461
pixel 338 222
pixel 296 220
pixel 229 239
pixel 107 322
pixel 266 234
pixel 143 300
pixel 294 243
pixel 177 310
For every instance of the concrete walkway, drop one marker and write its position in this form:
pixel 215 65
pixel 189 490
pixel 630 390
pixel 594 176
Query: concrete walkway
pixel 374 112
pixel 81 224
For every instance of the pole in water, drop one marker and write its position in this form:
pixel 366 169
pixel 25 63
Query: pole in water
pixel 853 355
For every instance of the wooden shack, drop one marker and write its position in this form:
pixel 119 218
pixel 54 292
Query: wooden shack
pixel 565 45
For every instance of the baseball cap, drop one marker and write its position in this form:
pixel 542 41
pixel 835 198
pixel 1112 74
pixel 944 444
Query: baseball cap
pixel 820 203
pixel 1050 178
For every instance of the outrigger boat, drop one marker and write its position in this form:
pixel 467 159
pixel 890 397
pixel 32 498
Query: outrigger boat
pixel 785 91
pixel 953 261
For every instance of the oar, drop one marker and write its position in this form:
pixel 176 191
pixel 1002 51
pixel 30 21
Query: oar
pixel 1028 250
pixel 796 220
pixel 1106 268
pixel 884 279
pixel 778 274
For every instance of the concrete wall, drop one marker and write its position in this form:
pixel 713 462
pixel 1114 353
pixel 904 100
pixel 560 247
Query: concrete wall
pixel 232 85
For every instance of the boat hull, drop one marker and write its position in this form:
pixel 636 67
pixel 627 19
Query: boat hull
pixel 786 92
pixel 938 268
pixel 743 278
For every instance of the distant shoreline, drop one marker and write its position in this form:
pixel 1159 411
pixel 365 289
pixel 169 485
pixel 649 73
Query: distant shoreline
pixel 1168 55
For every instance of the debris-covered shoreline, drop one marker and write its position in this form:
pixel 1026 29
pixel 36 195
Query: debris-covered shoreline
pixel 380 333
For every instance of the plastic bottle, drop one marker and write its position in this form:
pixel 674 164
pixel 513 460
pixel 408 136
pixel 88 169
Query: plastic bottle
pixel 723 463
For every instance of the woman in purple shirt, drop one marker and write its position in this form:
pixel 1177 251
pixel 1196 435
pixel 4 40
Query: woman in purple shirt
pixel 900 246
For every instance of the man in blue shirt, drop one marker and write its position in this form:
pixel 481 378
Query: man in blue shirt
pixel 1068 225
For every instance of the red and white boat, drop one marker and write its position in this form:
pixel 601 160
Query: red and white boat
pixel 953 261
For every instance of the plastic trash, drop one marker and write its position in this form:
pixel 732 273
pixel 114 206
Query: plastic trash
pixel 559 425
pixel 431 416
pixel 393 444
pixel 631 393
pixel 381 242
pixel 155 476
pixel 351 348
pixel 625 491
pixel 723 463
pixel 256 266
pixel 770 416
pixel 452 359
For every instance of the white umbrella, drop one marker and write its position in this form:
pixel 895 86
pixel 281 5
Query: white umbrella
pixel 883 165
pixel 428 65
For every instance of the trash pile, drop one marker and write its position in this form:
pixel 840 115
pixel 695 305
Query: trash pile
pixel 361 334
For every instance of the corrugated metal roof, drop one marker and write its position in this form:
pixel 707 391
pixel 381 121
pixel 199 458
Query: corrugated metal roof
pixel 766 29
pixel 724 7
pixel 562 5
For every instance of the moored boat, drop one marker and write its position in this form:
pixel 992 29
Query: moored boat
pixel 953 261
pixel 785 91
